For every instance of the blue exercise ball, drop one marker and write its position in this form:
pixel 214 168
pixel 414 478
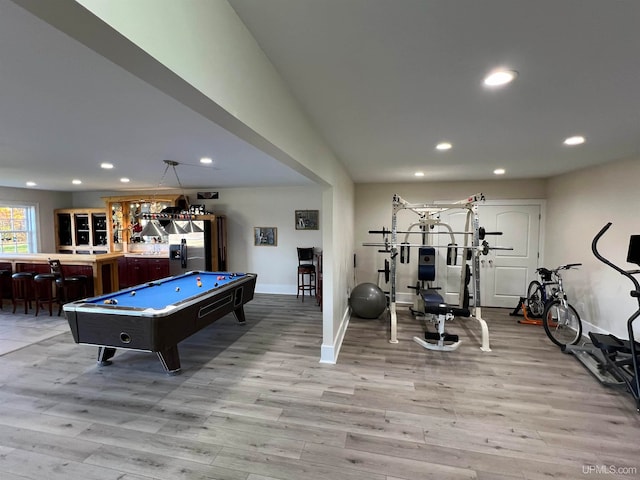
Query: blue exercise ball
pixel 367 301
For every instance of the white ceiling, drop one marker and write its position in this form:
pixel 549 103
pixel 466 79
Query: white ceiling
pixel 383 81
pixel 64 110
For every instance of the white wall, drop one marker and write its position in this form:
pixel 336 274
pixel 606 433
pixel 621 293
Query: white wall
pixel 579 204
pixel 46 202
pixel 338 243
pixel 247 208
pixel 373 211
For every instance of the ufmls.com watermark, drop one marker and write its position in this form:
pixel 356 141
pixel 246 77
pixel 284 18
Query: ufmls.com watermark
pixel 609 470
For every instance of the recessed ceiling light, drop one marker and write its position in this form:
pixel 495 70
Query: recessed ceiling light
pixel 499 171
pixel 419 174
pixel 443 146
pixel 75 181
pixel 31 184
pixel 206 160
pixel 576 140
pixel 124 180
pixel 106 165
pixel 497 78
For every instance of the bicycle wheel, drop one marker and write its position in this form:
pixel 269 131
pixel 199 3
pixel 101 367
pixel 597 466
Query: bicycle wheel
pixel 562 324
pixel 535 305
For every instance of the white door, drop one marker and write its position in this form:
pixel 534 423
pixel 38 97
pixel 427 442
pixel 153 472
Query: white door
pixel 505 274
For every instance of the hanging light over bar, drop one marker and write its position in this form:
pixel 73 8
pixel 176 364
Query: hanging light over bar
pixel 153 229
pixel 191 227
pixel 173 228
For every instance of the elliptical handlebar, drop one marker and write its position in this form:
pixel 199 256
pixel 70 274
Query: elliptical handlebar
pixel 594 247
pixel 598 255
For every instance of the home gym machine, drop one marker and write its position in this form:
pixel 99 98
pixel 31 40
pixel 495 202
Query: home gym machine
pixel 429 301
pixel 615 361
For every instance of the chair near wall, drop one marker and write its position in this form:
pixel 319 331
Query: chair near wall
pixel 69 288
pixel 22 286
pixel 306 272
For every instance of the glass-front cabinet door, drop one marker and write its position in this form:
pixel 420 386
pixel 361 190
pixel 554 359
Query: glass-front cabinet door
pixel 81 230
pixel 129 217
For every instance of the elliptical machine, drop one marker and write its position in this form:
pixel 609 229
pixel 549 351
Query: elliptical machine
pixel 617 359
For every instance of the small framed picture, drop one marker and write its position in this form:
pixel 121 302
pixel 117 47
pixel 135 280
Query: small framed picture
pixel 265 236
pixel 307 220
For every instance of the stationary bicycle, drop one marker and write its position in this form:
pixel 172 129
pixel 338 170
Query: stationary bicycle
pixel 612 360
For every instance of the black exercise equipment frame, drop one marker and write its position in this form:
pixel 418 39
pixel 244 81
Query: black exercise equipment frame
pixel 611 353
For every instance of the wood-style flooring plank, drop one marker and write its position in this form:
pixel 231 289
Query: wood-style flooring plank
pixel 254 403
pixel 161 467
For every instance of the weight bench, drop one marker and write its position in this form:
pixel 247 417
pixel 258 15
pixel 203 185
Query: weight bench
pixel 433 304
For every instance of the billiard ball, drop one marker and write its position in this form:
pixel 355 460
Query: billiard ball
pixel 177 289
pixel 215 284
pixel 133 293
pixel 199 283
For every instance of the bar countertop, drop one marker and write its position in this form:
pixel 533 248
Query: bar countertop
pixel 104 265
pixel 75 258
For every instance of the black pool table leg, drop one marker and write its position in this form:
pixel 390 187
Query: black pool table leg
pixel 239 313
pixel 104 354
pixel 170 360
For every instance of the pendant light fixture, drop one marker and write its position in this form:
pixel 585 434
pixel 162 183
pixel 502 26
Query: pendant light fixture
pixel 153 229
pixel 172 228
pixel 189 226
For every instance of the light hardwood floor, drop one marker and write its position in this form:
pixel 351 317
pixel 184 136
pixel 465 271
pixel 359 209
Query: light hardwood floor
pixel 254 403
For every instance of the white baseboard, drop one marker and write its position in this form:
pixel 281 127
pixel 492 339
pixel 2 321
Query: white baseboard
pixel 329 353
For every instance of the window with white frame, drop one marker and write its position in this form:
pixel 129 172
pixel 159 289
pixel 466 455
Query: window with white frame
pixel 17 228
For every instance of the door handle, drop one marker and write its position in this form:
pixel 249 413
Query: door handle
pixel 482 263
pixel 490 263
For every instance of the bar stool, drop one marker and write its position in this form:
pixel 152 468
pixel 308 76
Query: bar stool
pixel 22 284
pixel 69 288
pixel 306 271
pixel 5 285
pixel 46 292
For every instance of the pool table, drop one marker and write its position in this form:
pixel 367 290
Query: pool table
pixel 157 315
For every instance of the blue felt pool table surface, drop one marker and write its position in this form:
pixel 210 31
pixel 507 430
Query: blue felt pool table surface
pixel 157 295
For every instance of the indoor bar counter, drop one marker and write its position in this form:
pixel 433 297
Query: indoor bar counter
pixel 103 268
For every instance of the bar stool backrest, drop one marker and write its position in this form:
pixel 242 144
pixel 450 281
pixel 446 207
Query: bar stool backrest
pixel 305 257
pixel 56 268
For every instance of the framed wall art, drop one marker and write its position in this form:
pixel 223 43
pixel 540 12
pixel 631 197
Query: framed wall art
pixel 265 236
pixel 307 220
